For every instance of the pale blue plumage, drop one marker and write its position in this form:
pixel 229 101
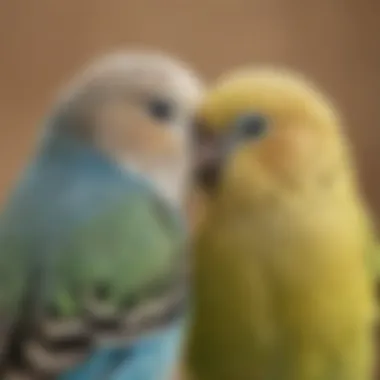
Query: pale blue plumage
pixel 68 186
pixel 152 357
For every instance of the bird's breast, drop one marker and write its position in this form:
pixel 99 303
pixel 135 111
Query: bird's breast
pixel 263 280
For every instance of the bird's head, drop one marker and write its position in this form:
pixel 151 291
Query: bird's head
pixel 135 107
pixel 263 132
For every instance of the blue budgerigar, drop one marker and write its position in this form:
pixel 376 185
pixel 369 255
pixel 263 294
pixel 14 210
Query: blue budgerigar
pixel 92 244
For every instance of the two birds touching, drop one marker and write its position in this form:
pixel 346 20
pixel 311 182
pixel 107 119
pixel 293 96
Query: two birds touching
pixel 100 278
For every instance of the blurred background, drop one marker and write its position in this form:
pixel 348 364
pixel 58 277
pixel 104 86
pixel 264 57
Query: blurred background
pixel 44 42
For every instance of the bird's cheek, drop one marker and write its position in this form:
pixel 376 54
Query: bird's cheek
pixel 162 144
pixel 125 132
pixel 287 151
pixel 153 140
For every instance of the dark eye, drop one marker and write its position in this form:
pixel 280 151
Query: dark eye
pixel 161 109
pixel 252 125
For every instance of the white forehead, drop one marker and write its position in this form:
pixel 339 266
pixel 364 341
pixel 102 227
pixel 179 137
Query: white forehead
pixel 141 71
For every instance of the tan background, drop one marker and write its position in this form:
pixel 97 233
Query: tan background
pixel 43 42
pixel 336 42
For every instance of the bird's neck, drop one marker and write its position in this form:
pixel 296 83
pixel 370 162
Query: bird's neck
pixel 59 149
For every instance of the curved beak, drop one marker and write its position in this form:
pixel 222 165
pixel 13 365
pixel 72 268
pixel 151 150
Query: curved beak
pixel 209 156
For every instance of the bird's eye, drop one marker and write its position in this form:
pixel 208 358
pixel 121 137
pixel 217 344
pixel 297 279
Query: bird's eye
pixel 252 125
pixel 161 109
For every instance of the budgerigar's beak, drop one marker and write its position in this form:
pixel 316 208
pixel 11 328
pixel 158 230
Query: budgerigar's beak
pixel 209 157
pixel 207 171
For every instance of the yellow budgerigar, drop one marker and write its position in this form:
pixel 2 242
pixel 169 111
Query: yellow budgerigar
pixel 282 287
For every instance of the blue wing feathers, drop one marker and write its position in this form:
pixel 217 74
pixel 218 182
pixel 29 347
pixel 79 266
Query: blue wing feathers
pixel 66 185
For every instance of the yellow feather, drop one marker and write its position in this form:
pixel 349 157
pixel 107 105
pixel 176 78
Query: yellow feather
pixel 281 287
